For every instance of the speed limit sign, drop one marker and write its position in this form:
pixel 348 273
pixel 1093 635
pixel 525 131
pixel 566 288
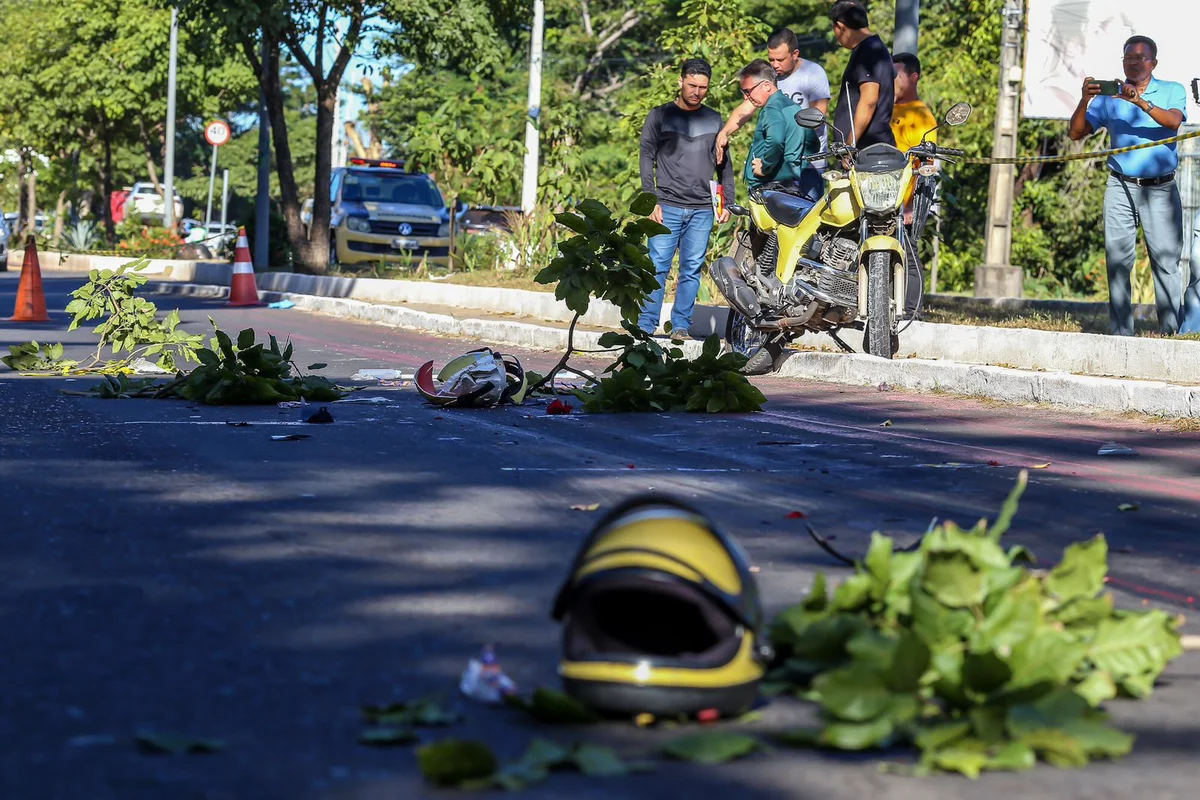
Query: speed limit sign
pixel 217 133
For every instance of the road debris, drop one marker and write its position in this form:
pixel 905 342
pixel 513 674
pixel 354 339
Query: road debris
pixel 483 680
pixel 380 375
pixel 377 400
pixel 559 407
pixel 281 304
pixel 290 437
pixel 322 417
pixel 1115 449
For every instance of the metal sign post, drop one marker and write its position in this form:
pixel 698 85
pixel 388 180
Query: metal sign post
pixel 224 200
pixel 216 133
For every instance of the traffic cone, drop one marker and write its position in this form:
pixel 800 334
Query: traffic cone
pixel 31 298
pixel 242 289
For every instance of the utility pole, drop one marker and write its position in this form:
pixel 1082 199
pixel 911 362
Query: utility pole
pixel 996 277
pixel 908 16
pixel 262 201
pixel 529 184
pixel 169 158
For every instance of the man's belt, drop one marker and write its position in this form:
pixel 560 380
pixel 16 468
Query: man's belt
pixel 1159 181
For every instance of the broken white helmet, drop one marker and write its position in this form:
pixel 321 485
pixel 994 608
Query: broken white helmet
pixel 479 379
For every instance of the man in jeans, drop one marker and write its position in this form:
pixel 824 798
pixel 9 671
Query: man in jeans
pixel 1141 185
pixel 1191 296
pixel 678 161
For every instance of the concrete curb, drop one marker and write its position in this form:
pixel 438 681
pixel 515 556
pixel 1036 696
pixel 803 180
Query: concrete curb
pixel 1060 389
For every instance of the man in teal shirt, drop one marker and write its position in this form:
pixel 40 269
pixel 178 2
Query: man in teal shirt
pixel 779 143
pixel 1141 185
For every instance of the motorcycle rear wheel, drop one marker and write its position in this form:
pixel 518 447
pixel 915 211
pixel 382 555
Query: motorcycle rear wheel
pixel 760 353
pixel 879 304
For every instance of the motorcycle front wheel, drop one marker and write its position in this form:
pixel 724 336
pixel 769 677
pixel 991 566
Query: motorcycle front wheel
pixel 879 304
pixel 760 354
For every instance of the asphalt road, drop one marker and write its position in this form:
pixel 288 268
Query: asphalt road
pixel 160 569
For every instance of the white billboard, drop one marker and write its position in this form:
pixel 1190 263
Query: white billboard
pixel 1067 40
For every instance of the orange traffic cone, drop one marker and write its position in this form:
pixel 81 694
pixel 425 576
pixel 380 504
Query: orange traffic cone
pixel 242 289
pixel 31 298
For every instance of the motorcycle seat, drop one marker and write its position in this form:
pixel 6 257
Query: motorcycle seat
pixel 786 209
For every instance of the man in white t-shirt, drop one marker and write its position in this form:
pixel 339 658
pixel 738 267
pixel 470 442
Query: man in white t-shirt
pixel 804 82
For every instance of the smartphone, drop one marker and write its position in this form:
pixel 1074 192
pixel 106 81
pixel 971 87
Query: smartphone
pixel 1110 88
pixel 1196 90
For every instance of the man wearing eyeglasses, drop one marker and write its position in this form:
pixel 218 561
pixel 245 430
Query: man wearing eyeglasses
pixel 1141 185
pixel 779 144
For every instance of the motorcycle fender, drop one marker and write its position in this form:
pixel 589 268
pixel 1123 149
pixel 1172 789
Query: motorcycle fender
pixel 761 219
pixel 877 244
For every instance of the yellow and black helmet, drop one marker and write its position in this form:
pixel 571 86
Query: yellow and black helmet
pixel 661 615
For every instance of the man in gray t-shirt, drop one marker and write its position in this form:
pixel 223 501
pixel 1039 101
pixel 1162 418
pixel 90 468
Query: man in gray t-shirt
pixel 804 82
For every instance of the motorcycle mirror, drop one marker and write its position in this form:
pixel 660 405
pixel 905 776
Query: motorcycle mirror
pixel 810 118
pixel 958 114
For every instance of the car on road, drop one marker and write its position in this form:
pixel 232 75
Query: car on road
pixel 145 201
pixel 382 212
pixel 12 221
pixel 4 236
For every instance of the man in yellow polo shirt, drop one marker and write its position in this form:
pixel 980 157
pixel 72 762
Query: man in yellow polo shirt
pixel 911 120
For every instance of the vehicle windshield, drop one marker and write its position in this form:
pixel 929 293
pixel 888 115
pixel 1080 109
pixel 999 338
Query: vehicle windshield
pixel 381 187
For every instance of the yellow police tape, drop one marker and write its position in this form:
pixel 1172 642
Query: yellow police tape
pixel 1080 156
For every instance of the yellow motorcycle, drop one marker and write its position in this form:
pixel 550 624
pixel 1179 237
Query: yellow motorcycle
pixel 839 262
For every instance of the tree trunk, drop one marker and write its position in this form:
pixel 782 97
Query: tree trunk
pixel 268 78
pixel 317 256
pixel 106 189
pixel 151 168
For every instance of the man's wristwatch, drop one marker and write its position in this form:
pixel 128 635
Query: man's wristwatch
pixel 1149 107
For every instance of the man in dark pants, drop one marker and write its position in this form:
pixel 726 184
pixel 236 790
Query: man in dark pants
pixel 1141 185
pixel 678 160
pixel 865 95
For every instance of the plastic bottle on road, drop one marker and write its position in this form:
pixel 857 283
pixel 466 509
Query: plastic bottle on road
pixel 483 680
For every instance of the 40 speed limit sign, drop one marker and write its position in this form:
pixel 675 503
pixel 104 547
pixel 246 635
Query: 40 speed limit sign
pixel 217 133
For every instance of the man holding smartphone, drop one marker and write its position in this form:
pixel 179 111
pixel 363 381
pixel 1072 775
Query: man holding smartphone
pixel 1141 185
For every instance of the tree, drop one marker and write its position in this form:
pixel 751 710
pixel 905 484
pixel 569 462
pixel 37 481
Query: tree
pixel 322 37
pixel 87 81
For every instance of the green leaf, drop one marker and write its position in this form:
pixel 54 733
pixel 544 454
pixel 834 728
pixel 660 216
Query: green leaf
pixel 985 672
pixel 856 693
pixel 572 221
pixel 853 593
pixel 424 712
pixel 643 205
pixel 712 747
pixel 817 599
pixel 597 761
pixel 554 707
pixel 175 744
pixel 1082 571
pixel 1009 509
pixel 1013 619
pixel 1097 688
pixel 879 558
pixel 909 662
pixel 953 581
pixel 452 762
pixel 245 339
pixel 966 756
pixel 1048 656
pixel 387 737
pixel 937 736
pixel 1135 645
pixel 857 736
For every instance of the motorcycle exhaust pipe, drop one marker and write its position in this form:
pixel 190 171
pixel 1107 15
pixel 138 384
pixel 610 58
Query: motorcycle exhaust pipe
pixel 727 275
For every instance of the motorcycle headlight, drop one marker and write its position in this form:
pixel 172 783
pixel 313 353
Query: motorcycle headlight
pixel 443 230
pixel 358 224
pixel 880 190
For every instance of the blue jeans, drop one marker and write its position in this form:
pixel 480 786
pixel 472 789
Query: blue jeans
pixel 690 229
pixel 1160 212
pixel 1191 297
